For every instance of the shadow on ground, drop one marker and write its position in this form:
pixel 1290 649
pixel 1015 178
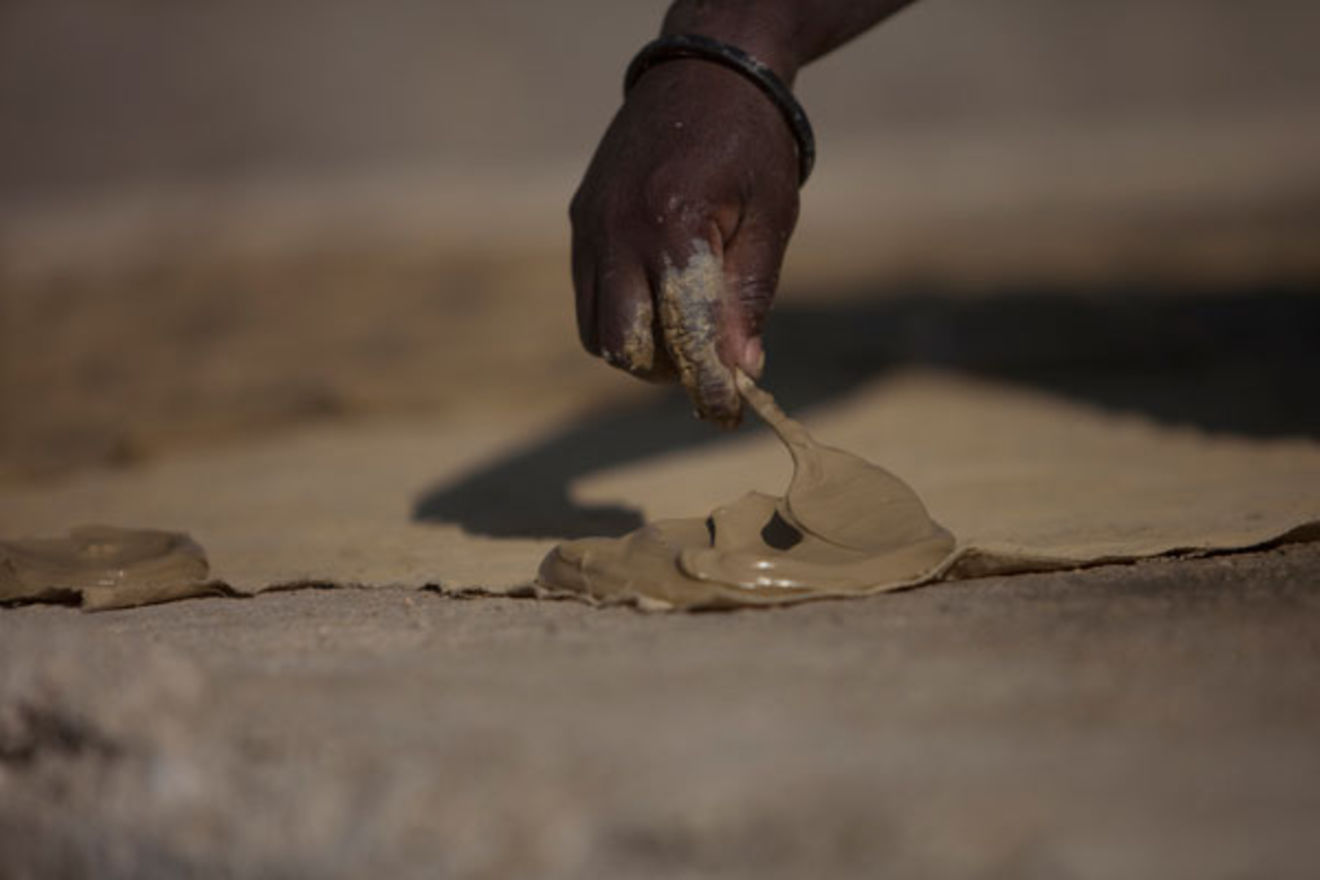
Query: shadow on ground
pixel 1239 361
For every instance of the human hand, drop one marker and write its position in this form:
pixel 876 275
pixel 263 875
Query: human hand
pixel 679 231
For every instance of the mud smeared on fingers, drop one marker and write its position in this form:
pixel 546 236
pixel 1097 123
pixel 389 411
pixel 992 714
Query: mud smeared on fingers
pixel 634 350
pixel 691 314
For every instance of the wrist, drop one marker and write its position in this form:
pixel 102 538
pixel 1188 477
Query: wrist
pixel 762 29
pixel 752 71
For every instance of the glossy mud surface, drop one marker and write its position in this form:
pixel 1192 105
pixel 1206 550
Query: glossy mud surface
pixel 844 526
pixel 103 567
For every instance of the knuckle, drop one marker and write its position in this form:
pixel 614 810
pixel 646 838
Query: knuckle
pixel 667 202
pixel 580 209
pixel 754 293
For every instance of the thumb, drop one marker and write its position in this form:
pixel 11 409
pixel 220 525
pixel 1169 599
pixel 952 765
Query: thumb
pixel 752 260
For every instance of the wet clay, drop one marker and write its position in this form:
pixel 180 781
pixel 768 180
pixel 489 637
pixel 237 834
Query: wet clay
pixel 845 526
pixel 104 567
pixel 690 317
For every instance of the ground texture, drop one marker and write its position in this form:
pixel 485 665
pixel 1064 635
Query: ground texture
pixel 225 224
pixel 1158 719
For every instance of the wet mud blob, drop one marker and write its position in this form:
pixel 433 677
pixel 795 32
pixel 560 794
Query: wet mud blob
pixel 844 527
pixel 103 567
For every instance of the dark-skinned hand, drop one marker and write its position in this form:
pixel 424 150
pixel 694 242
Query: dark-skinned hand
pixel 679 230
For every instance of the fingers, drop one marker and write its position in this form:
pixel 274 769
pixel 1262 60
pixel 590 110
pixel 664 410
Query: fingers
pixel 615 309
pixel 584 292
pixel 694 307
pixel 617 318
pixel 625 320
pixel 679 227
pixel 752 261
pixel 693 311
pixel 713 306
pixel 662 317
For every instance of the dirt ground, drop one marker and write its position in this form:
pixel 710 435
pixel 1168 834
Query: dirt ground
pixel 220 227
pixel 1149 720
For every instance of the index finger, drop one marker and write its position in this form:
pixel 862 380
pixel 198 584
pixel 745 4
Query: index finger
pixel 691 306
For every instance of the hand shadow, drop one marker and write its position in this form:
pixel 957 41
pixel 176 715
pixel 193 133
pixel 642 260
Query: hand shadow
pixel 526 494
pixel 1243 361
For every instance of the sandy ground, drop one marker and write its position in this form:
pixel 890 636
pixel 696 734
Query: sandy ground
pixel 1152 720
pixel 220 227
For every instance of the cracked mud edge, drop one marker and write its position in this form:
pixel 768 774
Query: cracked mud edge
pixel 966 563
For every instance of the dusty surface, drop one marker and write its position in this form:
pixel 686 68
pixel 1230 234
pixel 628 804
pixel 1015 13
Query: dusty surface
pixel 231 241
pixel 1151 720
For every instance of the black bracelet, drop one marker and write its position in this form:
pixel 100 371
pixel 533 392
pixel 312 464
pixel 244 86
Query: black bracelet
pixel 696 46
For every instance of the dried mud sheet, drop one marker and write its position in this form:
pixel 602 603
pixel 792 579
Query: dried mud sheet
pixel 1025 481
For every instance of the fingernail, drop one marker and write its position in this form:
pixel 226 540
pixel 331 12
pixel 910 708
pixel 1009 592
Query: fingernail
pixel 753 359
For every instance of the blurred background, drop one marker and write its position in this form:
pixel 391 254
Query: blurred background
pixel 222 220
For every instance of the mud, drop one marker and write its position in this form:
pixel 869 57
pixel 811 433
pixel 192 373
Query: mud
pixel 844 526
pixel 103 567
pixel 690 318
